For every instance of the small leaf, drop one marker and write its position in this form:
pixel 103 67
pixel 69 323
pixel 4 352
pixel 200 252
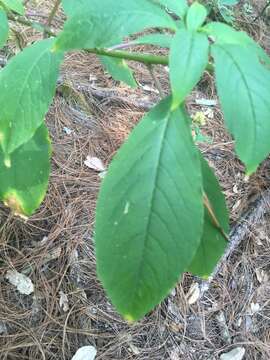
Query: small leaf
pixel 149 212
pixel 213 242
pixel 119 70
pixel 24 176
pixel 162 40
pixel 196 16
pixel 14 5
pixel 27 87
pixel 188 59
pixel 103 23
pixel 3 28
pixel 239 72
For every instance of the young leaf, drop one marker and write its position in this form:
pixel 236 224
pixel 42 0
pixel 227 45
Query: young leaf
pixel 179 7
pixel 188 59
pixel 225 34
pixel 162 40
pixel 149 212
pixel 213 241
pixel 14 5
pixel 3 28
pixel 24 176
pixel 119 70
pixel 243 85
pixel 27 86
pixel 103 23
pixel 196 16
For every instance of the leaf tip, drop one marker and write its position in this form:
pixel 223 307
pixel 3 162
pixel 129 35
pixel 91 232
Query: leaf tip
pixel 129 318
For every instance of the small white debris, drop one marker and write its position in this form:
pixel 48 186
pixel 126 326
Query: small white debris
pixel 23 284
pixel 67 130
pixel 85 353
pixel 254 308
pixel 126 210
pixel 235 354
pixel 134 349
pixel 193 294
pixel 94 163
pixel 63 302
pixel 174 355
pixel 262 276
pixel 149 89
pixel 102 174
pixel 206 102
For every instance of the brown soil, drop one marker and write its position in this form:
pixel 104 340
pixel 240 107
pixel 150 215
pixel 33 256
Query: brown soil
pixel 55 246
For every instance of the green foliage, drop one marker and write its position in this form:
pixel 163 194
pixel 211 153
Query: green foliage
pixel 149 213
pixel 119 70
pixel 160 210
pixel 3 28
pixel 27 87
pixel 24 175
pixel 239 72
pixel 14 5
pixel 188 60
pixel 196 16
pixel 101 23
pixel 213 241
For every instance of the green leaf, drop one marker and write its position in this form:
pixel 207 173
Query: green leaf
pixel 225 34
pixel 149 212
pixel 103 23
pixel 27 87
pixel 162 40
pixel 3 28
pixel 213 242
pixel 24 176
pixel 14 5
pixel 196 16
pixel 179 7
pixel 119 70
pixel 188 60
pixel 243 85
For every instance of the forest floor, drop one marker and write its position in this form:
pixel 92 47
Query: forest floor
pixel 69 308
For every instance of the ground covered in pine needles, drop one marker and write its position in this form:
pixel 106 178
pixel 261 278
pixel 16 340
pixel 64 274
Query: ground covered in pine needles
pixel 91 116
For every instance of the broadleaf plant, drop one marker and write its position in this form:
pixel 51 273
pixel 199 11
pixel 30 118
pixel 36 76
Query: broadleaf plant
pixel 160 210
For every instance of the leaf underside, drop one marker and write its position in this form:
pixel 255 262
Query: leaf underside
pixel 213 242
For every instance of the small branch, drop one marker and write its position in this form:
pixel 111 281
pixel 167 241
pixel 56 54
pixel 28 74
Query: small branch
pixel 156 81
pixel 53 12
pixel 35 25
pixel 262 11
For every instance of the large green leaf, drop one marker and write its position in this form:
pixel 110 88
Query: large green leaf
pixel 149 212
pixel 3 28
pixel 27 87
pixel 24 176
pixel 196 16
pixel 103 23
pixel 119 70
pixel 243 85
pixel 14 5
pixel 225 34
pixel 213 242
pixel 188 59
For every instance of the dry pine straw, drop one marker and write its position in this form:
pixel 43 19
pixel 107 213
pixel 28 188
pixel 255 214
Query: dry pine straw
pixel 55 248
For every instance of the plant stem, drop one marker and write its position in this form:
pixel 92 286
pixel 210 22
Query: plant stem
pixel 156 81
pixel 142 58
pixel 53 12
pixel 35 25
